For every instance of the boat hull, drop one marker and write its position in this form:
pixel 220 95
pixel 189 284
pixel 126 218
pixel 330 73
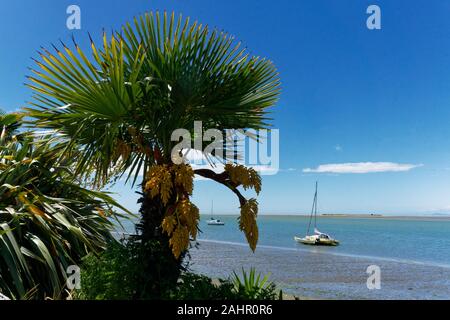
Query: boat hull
pixel 214 223
pixel 317 242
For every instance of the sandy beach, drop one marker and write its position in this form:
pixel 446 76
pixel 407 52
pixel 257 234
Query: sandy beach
pixel 319 275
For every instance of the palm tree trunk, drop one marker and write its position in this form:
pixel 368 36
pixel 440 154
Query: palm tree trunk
pixel 161 270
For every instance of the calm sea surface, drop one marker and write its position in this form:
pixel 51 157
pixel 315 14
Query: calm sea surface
pixel 414 240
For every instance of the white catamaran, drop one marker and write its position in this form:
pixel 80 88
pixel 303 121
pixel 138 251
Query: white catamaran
pixel 212 221
pixel 318 238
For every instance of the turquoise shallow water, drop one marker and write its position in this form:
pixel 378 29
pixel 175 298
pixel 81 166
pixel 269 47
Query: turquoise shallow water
pixel 417 240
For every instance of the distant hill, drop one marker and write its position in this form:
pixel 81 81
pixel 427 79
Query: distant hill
pixel 440 214
pixel 350 215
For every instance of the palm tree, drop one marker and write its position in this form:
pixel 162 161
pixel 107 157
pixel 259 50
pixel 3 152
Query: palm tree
pixel 47 220
pixel 120 107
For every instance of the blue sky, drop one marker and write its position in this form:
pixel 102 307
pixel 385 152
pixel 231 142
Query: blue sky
pixel 349 95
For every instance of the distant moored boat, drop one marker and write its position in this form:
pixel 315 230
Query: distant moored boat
pixel 212 221
pixel 317 238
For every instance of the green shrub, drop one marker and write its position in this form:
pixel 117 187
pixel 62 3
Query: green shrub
pixel 253 286
pixel 108 277
pixel 199 287
pixel 48 219
pixel 117 274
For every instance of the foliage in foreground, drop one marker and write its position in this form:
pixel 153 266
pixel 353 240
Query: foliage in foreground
pixel 255 286
pixel 47 220
pixel 116 275
pixel 112 276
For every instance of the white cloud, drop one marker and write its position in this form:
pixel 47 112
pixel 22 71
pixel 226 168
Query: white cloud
pixel 362 167
pixel 338 148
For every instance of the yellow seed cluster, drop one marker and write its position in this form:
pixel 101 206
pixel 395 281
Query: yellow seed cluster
pixel 247 177
pixel 181 221
pixel 169 224
pixel 247 222
pixel 184 177
pixel 189 216
pixel 122 150
pixel 181 225
pixel 179 240
pixel 159 182
pixel 175 183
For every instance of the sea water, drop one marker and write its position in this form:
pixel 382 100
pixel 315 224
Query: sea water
pixel 414 240
pixel 413 255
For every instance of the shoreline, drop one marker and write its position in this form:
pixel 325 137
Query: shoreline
pixel 314 276
pixel 354 216
pixel 338 254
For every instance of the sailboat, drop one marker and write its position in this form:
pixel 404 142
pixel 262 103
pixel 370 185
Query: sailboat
pixel 212 221
pixel 317 238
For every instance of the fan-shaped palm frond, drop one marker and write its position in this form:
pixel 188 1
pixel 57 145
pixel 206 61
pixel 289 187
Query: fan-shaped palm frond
pixel 122 101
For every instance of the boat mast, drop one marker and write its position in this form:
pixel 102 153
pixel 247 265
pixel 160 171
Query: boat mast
pixel 313 212
pixel 212 209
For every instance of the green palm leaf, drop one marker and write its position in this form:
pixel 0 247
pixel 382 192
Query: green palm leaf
pixel 48 221
pixel 122 101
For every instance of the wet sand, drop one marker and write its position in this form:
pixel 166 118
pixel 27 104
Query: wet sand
pixel 306 273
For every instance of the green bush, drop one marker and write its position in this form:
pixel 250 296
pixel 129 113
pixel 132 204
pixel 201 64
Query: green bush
pixel 253 286
pixel 123 272
pixel 48 219
pixel 117 274
pixel 199 287
pixel 108 277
